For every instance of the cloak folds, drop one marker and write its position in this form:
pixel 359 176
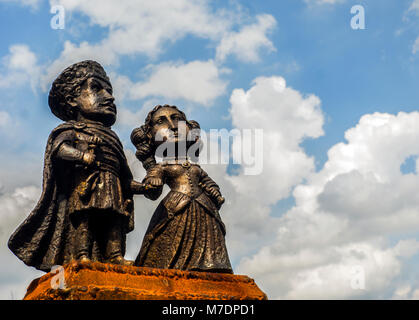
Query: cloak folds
pixel 46 236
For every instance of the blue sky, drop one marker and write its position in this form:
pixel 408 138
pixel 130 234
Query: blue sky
pixel 339 157
pixel 354 72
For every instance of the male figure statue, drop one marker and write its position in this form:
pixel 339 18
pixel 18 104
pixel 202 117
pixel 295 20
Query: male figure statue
pixel 86 207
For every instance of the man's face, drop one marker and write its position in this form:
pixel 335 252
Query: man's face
pixel 96 102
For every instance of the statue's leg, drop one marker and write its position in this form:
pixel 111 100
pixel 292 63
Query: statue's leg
pixel 114 242
pixel 82 237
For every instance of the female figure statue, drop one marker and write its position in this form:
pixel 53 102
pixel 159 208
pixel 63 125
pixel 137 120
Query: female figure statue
pixel 186 231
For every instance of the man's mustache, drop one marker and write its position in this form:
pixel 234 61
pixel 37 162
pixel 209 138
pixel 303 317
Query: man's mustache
pixel 108 103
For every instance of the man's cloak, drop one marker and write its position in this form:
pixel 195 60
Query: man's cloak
pixel 46 237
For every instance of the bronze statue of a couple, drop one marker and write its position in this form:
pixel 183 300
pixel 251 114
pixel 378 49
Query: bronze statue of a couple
pixel 86 206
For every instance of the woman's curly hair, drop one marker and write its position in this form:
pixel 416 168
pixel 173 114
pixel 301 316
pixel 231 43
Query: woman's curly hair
pixel 144 141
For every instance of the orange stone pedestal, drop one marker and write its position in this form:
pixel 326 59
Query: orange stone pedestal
pixel 100 281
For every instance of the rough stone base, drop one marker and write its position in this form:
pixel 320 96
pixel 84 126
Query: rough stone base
pixel 99 281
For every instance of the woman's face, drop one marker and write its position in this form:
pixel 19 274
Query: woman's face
pixel 169 125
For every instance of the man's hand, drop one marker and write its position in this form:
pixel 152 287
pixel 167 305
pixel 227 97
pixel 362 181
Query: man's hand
pixel 95 140
pixel 88 158
pixel 137 187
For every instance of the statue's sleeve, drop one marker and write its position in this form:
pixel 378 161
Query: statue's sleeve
pixel 64 149
pixel 207 182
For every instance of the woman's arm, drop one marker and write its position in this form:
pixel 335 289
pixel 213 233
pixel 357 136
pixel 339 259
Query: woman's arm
pixel 211 188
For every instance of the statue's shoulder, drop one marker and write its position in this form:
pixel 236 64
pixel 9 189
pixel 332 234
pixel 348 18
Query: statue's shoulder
pixel 156 170
pixel 160 166
pixel 69 125
pixel 64 130
pixel 64 126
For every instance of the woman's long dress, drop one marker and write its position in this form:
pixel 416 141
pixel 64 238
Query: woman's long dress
pixel 186 231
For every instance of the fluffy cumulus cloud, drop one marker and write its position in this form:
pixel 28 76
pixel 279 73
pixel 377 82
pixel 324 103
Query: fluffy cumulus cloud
pixel 196 81
pixel 415 47
pixel 30 3
pixel 247 42
pixel 287 117
pixel 348 234
pixel 414 6
pixel 14 207
pixel 147 27
pixel 4 119
pixel 144 26
pixel 18 67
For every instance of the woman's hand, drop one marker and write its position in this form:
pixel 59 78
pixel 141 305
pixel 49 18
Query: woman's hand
pixel 154 182
pixel 216 196
pixel 213 192
pixel 153 187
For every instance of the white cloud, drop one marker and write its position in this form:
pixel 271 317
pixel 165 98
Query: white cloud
pixel 196 81
pixel 19 67
pixel 355 270
pixel 249 41
pixel 146 27
pixel 9 129
pixel 415 47
pixel 19 169
pixel 414 6
pixel 4 119
pixel 345 216
pixel 31 3
pixel 131 119
pixel 143 26
pixel 287 118
pixel 15 206
pixel 72 54
pixel 322 2
pixel 21 58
